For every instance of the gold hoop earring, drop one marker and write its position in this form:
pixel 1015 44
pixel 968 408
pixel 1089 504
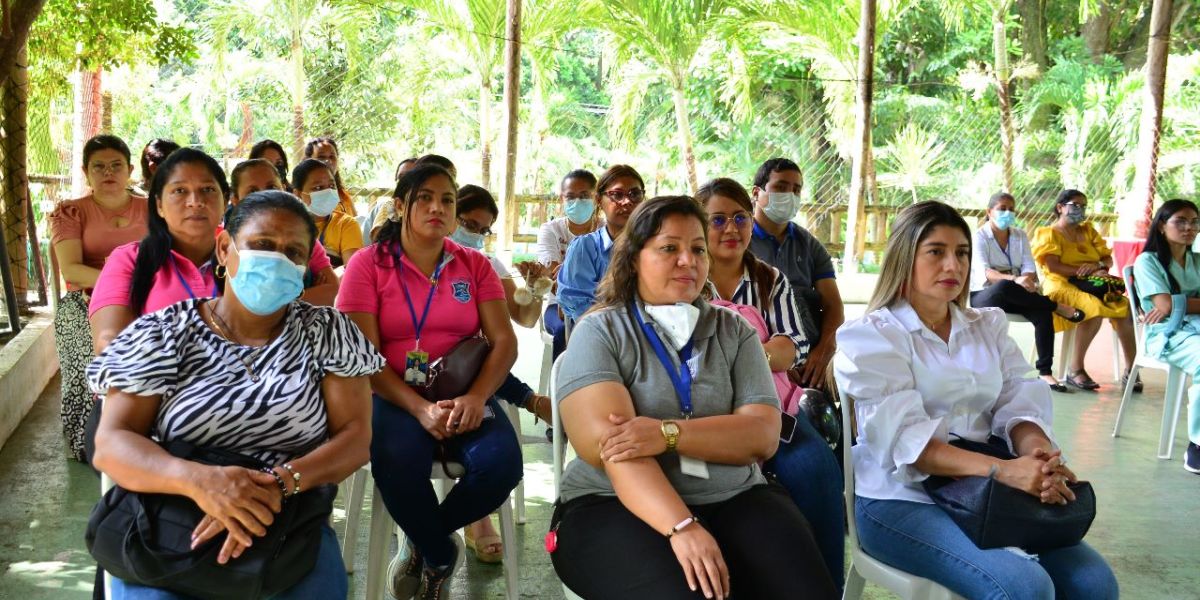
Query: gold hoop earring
pixel 220 271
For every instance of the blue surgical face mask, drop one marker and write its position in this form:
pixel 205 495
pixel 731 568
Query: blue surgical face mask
pixel 781 206
pixel 1005 218
pixel 322 202
pixel 266 281
pixel 466 238
pixel 580 211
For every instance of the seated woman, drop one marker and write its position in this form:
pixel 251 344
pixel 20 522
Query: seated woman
pixel 921 367
pixel 1071 252
pixel 272 152
pixel 314 183
pixel 303 369
pixel 1004 276
pixel 84 232
pixel 805 466
pixel 416 295
pixel 1167 280
pixel 669 403
pixel 325 149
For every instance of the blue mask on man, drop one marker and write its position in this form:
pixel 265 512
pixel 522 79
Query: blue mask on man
pixel 266 281
pixel 468 239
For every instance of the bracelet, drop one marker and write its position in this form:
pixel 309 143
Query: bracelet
pixel 279 480
pixel 684 523
pixel 295 478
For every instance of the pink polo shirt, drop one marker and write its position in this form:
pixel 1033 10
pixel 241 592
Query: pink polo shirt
pixel 116 280
pixel 372 283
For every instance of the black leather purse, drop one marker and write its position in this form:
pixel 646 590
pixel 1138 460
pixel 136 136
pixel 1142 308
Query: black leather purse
pixel 453 374
pixel 146 539
pixel 995 515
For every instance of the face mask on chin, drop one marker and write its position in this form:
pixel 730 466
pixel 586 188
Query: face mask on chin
pixel 678 320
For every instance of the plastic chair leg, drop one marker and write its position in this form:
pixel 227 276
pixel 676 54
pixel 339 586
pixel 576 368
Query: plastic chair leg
pixel 854 584
pixel 354 506
pixel 1126 396
pixel 508 535
pixel 1172 403
pixel 378 547
pixel 1065 351
pixel 514 416
pixel 1118 357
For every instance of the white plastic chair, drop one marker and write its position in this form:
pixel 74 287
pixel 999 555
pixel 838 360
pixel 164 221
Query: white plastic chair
pixel 547 357
pixel 1176 377
pixel 1068 344
pixel 379 543
pixel 558 438
pixel 863 567
pixel 106 484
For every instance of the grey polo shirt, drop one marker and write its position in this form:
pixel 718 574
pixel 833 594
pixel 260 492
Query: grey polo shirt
pixel 803 259
pixel 729 370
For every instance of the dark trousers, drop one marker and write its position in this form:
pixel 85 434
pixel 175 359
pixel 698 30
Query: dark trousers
pixel 402 457
pixel 1036 308
pixel 604 551
pixel 556 327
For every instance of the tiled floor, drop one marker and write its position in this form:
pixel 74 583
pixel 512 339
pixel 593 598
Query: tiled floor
pixel 1148 525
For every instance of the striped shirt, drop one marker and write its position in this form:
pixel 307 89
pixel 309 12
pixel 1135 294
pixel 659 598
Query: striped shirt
pixel 784 316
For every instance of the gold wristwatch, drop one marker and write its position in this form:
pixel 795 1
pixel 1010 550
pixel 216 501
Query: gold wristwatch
pixel 670 430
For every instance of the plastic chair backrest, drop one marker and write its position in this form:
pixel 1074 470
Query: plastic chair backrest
pixel 1135 305
pixel 849 434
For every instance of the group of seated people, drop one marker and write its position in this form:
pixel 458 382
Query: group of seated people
pixel 217 315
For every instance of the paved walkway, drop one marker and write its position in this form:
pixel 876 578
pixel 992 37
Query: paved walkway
pixel 1149 510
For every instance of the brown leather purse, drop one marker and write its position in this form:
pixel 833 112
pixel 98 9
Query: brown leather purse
pixel 452 375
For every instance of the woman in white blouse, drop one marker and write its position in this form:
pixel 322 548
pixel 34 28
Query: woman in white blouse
pixel 921 367
pixel 1004 276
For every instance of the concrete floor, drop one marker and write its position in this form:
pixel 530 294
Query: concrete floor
pixel 1146 527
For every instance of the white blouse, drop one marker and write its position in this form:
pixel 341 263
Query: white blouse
pixel 910 387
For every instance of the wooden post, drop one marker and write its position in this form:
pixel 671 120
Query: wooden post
pixel 1134 218
pixel 512 95
pixel 856 215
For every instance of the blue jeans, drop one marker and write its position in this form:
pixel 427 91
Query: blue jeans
pixel 326 580
pixel 809 472
pixel 402 458
pixel 922 539
pixel 514 391
pixel 556 327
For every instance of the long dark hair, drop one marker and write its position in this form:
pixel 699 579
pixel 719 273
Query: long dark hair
pixel 619 286
pixel 1156 240
pixel 155 248
pixel 155 152
pixel 311 147
pixel 265 201
pixel 760 272
pixel 388 239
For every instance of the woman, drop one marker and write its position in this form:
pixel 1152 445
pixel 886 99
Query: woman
pixel 153 155
pixel 805 466
pixel 416 294
pixel 248 344
pixel 921 367
pixel 272 152
pixel 257 174
pixel 83 233
pixel 1004 276
pixel 316 185
pixel 580 217
pixel 1167 279
pixel 645 472
pixel 325 150
pixel 1072 253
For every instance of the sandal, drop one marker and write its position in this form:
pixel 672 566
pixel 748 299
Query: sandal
pixel 1056 386
pixel 1137 384
pixel 480 546
pixel 1082 380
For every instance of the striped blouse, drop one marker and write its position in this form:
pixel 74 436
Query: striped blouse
pixel 783 314
pixel 209 397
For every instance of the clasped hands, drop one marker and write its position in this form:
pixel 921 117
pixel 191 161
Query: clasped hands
pixel 1043 474
pixel 447 418
pixel 242 501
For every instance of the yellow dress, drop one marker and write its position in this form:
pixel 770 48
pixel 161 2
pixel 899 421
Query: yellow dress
pixel 1047 241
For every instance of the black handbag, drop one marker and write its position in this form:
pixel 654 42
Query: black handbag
pixel 1105 287
pixel 453 374
pixel 146 539
pixel 995 515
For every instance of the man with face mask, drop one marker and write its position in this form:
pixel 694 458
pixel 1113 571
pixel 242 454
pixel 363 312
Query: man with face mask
pixel 577 191
pixel 802 259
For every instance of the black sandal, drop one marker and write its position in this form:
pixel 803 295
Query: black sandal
pixel 1082 380
pixel 1060 388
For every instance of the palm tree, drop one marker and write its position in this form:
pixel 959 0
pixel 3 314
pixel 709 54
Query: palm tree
pixel 913 159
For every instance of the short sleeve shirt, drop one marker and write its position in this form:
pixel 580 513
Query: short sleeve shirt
pixel 375 283
pixel 98 230
pixel 179 279
pixel 1014 259
pixel 803 259
pixel 729 371
pixel 1150 279
pixel 339 233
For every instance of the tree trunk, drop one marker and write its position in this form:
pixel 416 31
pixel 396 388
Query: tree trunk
pixel 686 151
pixel 1096 31
pixel 485 129
pixel 1133 50
pixel 246 139
pixel 86 123
pixel 106 111
pixel 1033 32
pixel 1003 75
pixel 856 221
pixel 298 92
pixel 16 16
pixel 512 96
pixel 13 143
pixel 1135 218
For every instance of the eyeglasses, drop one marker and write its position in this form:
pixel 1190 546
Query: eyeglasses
pixel 632 195
pixel 1185 223
pixel 474 227
pixel 719 222
pixel 103 169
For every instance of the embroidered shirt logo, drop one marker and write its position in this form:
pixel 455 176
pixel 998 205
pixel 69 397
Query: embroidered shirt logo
pixel 462 290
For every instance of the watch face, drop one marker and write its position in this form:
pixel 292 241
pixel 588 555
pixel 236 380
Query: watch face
pixel 671 428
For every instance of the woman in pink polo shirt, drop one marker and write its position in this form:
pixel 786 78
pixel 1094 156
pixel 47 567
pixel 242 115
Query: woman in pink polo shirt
pixel 416 294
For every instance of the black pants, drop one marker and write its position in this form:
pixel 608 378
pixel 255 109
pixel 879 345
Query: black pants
pixel 1036 308
pixel 604 551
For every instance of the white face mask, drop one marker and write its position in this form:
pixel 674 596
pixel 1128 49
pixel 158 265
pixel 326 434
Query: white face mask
pixel 678 320
pixel 322 202
pixel 781 206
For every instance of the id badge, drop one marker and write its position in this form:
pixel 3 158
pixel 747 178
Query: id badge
pixel 416 367
pixel 693 466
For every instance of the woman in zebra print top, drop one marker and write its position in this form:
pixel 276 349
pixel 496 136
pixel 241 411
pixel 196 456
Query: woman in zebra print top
pixel 805 465
pixel 254 372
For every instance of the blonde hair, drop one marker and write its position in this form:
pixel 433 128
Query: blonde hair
pixel 910 228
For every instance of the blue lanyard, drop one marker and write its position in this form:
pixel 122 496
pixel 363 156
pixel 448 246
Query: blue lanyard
pixel 215 291
pixel 681 380
pixel 412 311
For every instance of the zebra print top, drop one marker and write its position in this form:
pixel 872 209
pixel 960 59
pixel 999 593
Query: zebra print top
pixel 208 398
pixel 784 316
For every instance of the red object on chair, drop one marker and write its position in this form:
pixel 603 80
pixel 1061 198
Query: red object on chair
pixel 1125 251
